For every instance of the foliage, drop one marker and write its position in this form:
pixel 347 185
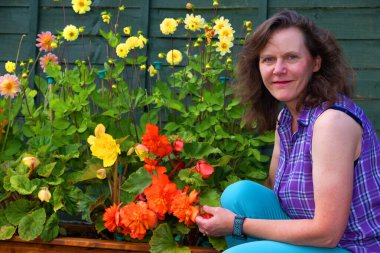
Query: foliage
pixel 49 164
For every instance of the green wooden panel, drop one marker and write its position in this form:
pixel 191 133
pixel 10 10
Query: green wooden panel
pixel 362 54
pixel 368 84
pixel 14 3
pixel 14 20
pixel 9 45
pixel 371 108
pixel 95 3
pixel 323 3
pixel 348 23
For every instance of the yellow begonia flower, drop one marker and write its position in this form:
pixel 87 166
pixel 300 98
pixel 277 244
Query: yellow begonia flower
pixel 100 129
pixel 193 23
pixel 122 50
pixel 70 33
pixel 168 26
pixel 127 30
pixel 105 147
pixel 223 46
pixel 152 71
pixel 10 67
pixel 81 6
pixel 174 57
pixel 30 161
pixel 134 42
pixel 141 151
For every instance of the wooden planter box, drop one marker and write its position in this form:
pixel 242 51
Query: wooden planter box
pixel 80 245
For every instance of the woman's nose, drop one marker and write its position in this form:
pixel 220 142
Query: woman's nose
pixel 279 68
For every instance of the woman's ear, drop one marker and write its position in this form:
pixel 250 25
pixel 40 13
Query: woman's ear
pixel 317 63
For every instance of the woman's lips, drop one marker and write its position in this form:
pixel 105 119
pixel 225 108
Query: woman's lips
pixel 281 82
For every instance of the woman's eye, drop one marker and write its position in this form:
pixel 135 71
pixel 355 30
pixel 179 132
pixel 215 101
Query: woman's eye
pixel 292 57
pixel 267 60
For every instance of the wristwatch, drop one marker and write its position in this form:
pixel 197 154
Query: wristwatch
pixel 238 227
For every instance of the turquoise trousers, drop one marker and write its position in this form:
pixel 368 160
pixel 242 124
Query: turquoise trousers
pixel 253 200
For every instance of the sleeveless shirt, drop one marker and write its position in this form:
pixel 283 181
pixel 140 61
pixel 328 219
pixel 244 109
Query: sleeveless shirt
pixel 294 184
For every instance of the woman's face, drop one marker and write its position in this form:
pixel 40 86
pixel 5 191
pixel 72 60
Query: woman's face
pixel 286 65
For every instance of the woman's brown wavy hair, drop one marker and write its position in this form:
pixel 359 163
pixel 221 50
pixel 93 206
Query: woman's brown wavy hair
pixel 334 77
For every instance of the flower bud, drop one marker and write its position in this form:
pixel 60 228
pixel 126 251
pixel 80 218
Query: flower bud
pixel 215 3
pixel 30 161
pixel 142 66
pixel 24 75
pixel 101 173
pixel 54 45
pixel 208 66
pixel 203 168
pixel 161 55
pixel 127 30
pixel 229 60
pixel 248 23
pixel 81 29
pixel 178 144
pixel 22 64
pixel 121 8
pixel 141 151
pixel 189 6
pixel 44 194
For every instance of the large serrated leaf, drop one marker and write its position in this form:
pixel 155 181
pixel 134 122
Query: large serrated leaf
pixel 163 241
pixel 137 181
pixel 7 231
pixel 51 229
pixel 22 184
pixel 209 197
pixel 19 209
pixel 31 226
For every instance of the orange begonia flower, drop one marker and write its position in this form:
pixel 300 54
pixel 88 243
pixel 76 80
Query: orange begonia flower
pixel 160 194
pixel 151 166
pixel 157 144
pixel 183 209
pixel 203 168
pixel 112 217
pixel 137 219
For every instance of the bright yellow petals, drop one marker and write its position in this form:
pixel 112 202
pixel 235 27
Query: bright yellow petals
pixel 10 67
pixel 105 147
pixel 220 23
pixel 223 46
pixel 168 26
pixel 152 71
pixel 194 23
pixel 127 30
pixel 122 50
pixel 70 33
pixel 106 18
pixel 174 57
pixel 226 32
pixel 81 6
pixel 99 129
pixel 134 42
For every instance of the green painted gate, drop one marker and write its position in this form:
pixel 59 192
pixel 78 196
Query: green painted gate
pixel 355 23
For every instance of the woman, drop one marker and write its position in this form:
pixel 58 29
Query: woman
pixel 325 168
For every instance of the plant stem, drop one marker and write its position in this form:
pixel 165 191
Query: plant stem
pixel 9 123
pixel 115 183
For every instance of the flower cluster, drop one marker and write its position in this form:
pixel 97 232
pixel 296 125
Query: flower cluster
pixel 163 196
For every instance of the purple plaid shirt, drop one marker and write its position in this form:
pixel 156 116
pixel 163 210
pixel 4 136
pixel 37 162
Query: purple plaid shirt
pixel 294 183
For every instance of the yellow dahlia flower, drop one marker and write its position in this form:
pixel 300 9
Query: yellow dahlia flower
pixel 221 23
pixel 174 57
pixel 226 32
pixel 10 67
pixel 127 30
pixel 152 71
pixel 70 33
pixel 194 23
pixel 122 50
pixel 134 42
pixel 81 6
pixel 223 46
pixel 168 26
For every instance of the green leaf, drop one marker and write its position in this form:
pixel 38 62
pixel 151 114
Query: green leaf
pixel 51 229
pixel 256 174
pixel 199 150
pixel 19 209
pixel 31 226
pixel 137 182
pixel 7 231
pixel 22 184
pixel 58 105
pixel 45 171
pixel 57 199
pixel 61 123
pixel 163 241
pixel 209 197
pixel 218 243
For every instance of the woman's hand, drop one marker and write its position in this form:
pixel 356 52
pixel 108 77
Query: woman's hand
pixel 220 223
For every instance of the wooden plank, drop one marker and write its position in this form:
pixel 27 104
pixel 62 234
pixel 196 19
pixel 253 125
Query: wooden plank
pixel 368 84
pixel 9 46
pixel 323 3
pixel 202 4
pixel 95 3
pixel 14 20
pixel 14 3
pixel 363 22
pixel 371 108
pixel 362 54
